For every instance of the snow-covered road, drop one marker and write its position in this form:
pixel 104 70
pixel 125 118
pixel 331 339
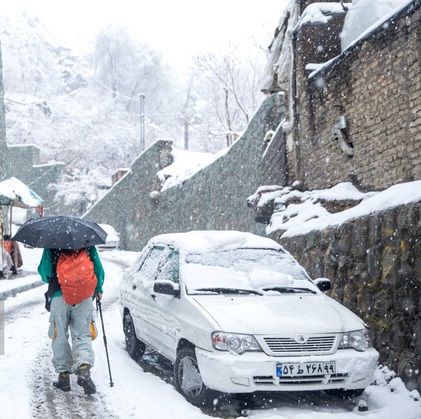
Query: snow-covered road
pixel 145 389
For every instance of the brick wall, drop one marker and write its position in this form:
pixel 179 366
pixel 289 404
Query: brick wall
pixel 376 85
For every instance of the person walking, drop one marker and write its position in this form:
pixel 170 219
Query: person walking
pixel 75 278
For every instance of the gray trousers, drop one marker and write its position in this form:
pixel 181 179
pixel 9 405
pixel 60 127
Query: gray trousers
pixel 79 319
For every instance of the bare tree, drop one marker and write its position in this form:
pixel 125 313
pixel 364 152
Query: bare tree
pixel 129 70
pixel 228 87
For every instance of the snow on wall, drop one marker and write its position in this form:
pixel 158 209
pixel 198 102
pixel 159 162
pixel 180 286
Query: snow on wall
pixel 363 14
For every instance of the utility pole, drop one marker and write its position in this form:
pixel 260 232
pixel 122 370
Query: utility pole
pixel 3 144
pixel 142 120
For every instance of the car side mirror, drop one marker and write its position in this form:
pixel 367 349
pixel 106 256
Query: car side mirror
pixel 167 288
pixel 323 284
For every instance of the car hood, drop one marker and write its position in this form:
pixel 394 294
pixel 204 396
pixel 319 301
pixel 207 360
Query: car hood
pixel 274 314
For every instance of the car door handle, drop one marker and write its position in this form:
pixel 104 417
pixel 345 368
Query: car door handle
pixel 134 286
pixel 153 296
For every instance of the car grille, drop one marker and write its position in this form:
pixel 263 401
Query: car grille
pixel 303 380
pixel 300 345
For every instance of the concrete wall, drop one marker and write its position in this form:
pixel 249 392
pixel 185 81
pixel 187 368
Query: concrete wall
pixel 214 198
pixel 128 206
pixel 22 162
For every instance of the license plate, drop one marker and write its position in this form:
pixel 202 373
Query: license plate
pixel 308 368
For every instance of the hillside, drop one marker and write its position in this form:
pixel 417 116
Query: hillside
pixel 51 97
pixel 54 100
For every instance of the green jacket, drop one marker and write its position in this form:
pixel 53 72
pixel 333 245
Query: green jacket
pixel 45 268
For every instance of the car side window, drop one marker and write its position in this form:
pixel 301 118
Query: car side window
pixel 149 268
pixel 168 269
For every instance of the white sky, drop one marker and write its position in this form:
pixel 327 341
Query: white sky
pixel 178 28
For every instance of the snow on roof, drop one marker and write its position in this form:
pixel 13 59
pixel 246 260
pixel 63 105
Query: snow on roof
pixel 319 13
pixel 51 164
pixel 21 145
pixel 366 15
pixel 355 26
pixel 212 240
pixel 16 190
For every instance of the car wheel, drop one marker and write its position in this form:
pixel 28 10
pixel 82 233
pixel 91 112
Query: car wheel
pixel 345 394
pixel 188 380
pixel 134 346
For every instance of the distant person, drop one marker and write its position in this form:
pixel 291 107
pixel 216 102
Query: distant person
pixel 75 278
pixel 12 247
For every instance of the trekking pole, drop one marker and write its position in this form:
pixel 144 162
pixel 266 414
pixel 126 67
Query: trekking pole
pixel 98 305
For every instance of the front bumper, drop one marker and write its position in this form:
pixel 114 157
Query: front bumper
pixel 255 371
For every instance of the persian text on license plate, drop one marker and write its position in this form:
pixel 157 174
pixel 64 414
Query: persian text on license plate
pixel 284 369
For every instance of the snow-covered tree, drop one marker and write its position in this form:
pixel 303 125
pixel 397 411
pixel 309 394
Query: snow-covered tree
pixel 224 97
pixel 84 111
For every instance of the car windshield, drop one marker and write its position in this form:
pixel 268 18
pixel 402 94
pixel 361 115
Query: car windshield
pixel 244 272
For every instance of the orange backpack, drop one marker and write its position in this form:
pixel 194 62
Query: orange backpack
pixel 75 272
pixel 8 246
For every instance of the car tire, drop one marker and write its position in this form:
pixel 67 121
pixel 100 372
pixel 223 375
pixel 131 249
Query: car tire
pixel 134 346
pixel 345 394
pixel 188 380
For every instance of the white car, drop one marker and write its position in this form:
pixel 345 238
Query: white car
pixel 113 238
pixel 236 313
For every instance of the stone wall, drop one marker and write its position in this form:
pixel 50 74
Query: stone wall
pixel 376 85
pixel 213 198
pixel 374 264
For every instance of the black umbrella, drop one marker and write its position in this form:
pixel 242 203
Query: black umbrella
pixel 60 232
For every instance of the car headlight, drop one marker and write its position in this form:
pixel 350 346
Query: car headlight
pixel 234 342
pixel 358 340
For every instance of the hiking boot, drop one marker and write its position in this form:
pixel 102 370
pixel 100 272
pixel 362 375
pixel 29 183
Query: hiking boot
pixel 84 379
pixel 63 382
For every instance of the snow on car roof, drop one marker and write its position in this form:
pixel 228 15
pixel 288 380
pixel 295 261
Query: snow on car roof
pixel 200 241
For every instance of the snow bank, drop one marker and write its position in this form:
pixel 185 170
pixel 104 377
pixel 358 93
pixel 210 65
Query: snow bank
pixel 309 215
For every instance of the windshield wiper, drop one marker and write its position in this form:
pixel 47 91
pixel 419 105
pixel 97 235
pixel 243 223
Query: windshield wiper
pixel 220 290
pixel 291 290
